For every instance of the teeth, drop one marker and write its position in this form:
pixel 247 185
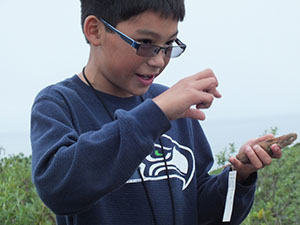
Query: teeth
pixel 146 77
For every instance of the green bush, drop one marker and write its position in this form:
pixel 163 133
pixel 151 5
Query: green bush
pixel 277 199
pixel 19 202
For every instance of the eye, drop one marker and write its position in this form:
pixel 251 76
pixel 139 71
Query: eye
pixel 170 43
pixel 145 41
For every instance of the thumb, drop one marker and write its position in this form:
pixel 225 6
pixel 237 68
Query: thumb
pixel 196 114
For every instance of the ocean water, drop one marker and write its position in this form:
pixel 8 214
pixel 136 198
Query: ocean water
pixel 220 132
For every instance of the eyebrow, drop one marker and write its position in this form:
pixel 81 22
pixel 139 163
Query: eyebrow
pixel 153 34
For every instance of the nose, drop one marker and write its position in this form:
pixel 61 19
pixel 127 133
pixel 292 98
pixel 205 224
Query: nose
pixel 158 61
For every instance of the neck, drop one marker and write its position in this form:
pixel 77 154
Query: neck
pixel 90 76
pixel 91 71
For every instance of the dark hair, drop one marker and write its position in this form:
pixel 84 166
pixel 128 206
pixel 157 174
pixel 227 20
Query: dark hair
pixel 115 11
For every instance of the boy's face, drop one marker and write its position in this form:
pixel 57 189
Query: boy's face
pixel 120 71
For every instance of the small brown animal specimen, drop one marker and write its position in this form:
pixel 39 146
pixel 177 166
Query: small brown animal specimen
pixel 281 141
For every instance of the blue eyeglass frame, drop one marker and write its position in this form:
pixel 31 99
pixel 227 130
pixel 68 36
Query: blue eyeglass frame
pixel 155 49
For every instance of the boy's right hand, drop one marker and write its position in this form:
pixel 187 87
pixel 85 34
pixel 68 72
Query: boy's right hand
pixel 198 90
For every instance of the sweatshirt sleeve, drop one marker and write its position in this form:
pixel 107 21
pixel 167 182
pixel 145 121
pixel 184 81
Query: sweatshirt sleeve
pixel 72 171
pixel 212 189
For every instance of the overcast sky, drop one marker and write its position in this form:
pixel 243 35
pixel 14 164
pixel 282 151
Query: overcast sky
pixel 252 45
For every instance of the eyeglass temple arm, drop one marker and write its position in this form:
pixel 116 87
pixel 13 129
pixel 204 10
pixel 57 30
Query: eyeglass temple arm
pixel 123 36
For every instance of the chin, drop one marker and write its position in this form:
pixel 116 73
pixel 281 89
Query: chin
pixel 140 91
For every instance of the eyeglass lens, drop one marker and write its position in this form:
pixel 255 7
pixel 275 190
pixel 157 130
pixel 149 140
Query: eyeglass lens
pixel 148 51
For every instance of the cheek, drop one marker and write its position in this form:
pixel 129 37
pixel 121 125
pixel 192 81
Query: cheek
pixel 122 58
pixel 166 62
pixel 125 64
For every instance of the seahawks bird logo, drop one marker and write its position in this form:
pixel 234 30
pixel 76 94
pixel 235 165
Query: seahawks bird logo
pixel 180 163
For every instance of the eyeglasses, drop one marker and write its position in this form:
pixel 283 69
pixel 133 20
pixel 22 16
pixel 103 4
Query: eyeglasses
pixel 148 50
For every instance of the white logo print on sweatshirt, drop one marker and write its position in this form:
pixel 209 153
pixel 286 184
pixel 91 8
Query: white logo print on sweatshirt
pixel 180 162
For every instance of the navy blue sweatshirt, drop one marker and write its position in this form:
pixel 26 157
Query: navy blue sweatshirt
pixel 85 166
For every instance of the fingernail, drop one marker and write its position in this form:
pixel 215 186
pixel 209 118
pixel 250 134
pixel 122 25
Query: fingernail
pixel 248 149
pixel 256 147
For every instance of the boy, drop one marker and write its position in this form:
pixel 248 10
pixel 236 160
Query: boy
pixel 111 147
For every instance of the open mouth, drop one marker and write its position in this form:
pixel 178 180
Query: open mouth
pixel 146 80
pixel 146 77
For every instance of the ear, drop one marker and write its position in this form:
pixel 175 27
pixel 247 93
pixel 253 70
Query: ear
pixel 92 30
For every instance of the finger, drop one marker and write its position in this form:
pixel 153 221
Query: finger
pixel 237 164
pixel 216 93
pixel 205 84
pixel 277 153
pixel 206 81
pixel 244 170
pixel 262 155
pixel 192 86
pixel 204 74
pixel 208 73
pixel 253 158
pixel 265 137
pixel 260 139
pixel 204 101
pixel 194 114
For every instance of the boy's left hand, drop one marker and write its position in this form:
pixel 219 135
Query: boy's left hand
pixel 258 157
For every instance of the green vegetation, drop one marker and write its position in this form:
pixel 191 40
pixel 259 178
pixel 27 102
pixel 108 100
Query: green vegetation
pixel 19 202
pixel 277 199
